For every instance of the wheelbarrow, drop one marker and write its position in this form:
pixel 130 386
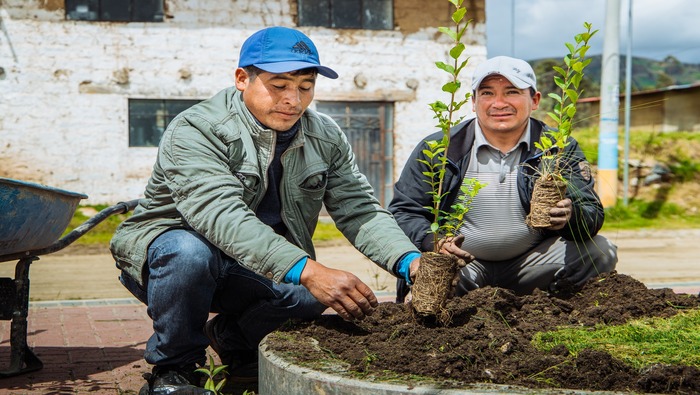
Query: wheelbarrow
pixel 34 217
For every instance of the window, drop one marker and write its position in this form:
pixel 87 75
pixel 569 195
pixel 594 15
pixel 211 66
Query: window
pixel 369 128
pixel 347 14
pixel 115 10
pixel 149 118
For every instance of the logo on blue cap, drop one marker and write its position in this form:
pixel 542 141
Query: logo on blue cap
pixel 281 50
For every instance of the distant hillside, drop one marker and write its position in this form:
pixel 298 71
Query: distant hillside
pixel 647 74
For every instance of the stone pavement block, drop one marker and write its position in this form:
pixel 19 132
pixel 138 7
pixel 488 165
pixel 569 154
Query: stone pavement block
pixel 77 351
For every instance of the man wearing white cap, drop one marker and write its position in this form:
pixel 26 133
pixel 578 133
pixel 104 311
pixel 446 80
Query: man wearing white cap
pixel 229 212
pixel 497 147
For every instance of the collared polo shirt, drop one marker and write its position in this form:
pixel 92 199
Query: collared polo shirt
pixel 495 228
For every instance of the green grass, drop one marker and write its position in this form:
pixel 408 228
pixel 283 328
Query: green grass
pixel 649 215
pixel 102 233
pixel 326 231
pixel 639 343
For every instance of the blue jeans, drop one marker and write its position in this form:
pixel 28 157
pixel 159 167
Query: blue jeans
pixel 188 278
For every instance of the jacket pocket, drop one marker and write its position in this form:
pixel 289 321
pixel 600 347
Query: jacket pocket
pixel 314 186
pixel 251 184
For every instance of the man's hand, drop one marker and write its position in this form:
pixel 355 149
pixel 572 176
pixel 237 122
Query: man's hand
pixel 560 214
pixel 340 290
pixel 414 269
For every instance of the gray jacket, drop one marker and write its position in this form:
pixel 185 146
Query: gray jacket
pixel 211 174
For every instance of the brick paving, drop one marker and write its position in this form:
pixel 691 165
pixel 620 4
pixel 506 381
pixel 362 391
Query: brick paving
pixel 87 347
pixel 91 347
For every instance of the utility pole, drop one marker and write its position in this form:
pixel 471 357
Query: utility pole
pixel 628 105
pixel 609 107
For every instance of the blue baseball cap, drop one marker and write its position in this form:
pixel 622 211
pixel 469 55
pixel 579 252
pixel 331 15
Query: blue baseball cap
pixel 281 50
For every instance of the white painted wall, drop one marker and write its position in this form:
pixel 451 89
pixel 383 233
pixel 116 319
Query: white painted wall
pixel 64 85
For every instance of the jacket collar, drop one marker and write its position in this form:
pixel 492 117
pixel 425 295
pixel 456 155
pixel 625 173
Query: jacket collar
pixel 462 137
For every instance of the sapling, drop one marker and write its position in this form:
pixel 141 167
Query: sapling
pixel 550 187
pixel 211 372
pixel 436 270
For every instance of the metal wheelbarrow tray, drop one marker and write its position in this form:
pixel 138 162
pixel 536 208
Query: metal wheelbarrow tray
pixel 34 217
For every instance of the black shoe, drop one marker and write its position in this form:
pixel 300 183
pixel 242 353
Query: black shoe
pixel 242 364
pixel 173 380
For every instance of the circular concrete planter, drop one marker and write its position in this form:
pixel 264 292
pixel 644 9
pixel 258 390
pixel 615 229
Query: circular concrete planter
pixel 280 375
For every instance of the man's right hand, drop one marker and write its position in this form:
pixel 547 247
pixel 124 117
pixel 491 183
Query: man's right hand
pixel 340 290
pixel 453 245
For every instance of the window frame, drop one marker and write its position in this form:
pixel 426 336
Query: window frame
pixel 114 10
pixel 313 16
pixel 167 110
pixel 377 163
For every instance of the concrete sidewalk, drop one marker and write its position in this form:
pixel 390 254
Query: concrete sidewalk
pixel 94 344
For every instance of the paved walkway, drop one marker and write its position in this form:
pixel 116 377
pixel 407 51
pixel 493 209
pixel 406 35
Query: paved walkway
pixel 95 345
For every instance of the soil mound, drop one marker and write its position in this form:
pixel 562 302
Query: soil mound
pixel 489 340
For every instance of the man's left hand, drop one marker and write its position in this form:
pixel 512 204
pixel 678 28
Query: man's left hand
pixel 560 214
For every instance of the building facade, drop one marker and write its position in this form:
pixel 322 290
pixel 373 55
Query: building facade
pixel 669 109
pixel 87 86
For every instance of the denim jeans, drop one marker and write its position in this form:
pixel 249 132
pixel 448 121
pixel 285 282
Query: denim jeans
pixel 188 278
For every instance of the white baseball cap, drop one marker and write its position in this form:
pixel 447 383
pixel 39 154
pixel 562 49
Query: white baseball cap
pixel 517 71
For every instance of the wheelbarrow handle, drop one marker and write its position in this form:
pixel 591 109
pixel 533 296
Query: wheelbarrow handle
pixel 75 234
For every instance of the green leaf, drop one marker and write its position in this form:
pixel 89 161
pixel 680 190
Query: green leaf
pixel 582 52
pixel 456 51
pixel 444 66
pixel 451 33
pixel 571 111
pixel 559 70
pixel 570 47
pixel 576 80
pixel 573 95
pixel 451 87
pixel 555 96
pixel 560 82
pixel 459 14
pixel 461 66
pixel 219 369
pixel 434 227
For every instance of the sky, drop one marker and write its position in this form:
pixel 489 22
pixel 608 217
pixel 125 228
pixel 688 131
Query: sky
pixel 541 27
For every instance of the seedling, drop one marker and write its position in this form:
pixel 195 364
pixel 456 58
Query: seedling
pixel 211 372
pixel 436 271
pixel 446 223
pixel 551 186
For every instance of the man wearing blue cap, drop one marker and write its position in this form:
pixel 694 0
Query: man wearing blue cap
pixel 229 211
pixel 497 148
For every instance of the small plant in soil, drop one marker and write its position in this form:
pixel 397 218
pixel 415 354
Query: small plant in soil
pixel 434 277
pixel 550 187
pixel 211 372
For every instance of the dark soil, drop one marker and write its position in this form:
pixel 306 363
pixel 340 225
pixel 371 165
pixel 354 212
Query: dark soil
pixel 488 340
